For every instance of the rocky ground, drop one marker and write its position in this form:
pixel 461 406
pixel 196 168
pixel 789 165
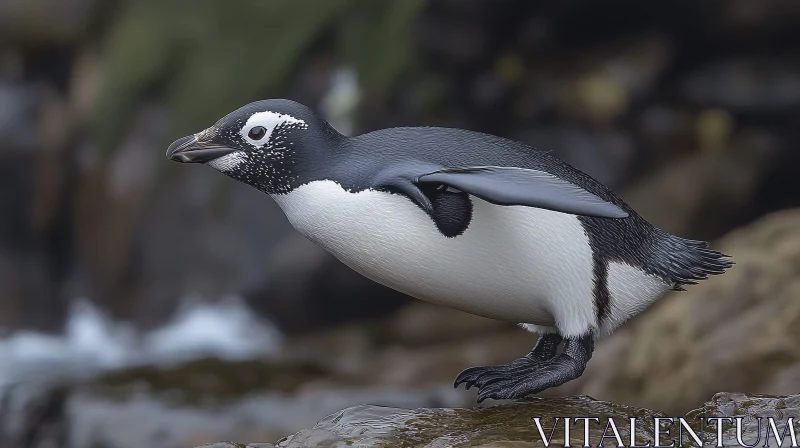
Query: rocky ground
pixel 511 425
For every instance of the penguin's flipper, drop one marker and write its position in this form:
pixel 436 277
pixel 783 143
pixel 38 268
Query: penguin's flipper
pixel 522 186
pixel 400 178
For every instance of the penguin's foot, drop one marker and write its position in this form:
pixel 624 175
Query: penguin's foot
pixel 483 375
pixel 521 378
pixel 545 349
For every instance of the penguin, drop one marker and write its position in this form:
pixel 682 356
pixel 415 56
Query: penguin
pixel 464 219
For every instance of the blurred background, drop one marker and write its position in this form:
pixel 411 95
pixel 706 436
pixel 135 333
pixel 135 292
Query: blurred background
pixel 143 303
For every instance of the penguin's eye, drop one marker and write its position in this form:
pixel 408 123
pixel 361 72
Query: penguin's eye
pixel 257 133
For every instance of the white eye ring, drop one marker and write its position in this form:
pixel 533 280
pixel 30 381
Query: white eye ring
pixel 269 121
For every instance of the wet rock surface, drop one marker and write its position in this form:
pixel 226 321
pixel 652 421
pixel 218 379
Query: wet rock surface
pixel 748 409
pixel 512 425
pixel 502 425
pixel 237 445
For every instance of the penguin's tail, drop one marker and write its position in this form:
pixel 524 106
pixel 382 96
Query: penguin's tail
pixel 686 262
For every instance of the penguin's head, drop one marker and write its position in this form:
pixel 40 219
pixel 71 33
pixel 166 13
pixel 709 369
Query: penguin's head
pixel 266 144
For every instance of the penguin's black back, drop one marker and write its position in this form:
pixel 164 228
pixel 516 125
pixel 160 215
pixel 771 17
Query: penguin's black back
pixel 631 240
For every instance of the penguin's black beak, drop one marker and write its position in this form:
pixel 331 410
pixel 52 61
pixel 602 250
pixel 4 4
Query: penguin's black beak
pixel 192 149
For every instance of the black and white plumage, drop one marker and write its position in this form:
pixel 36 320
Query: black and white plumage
pixel 464 219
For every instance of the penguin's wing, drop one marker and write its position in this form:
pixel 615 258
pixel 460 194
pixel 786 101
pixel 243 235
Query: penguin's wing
pixel 523 186
pixel 402 178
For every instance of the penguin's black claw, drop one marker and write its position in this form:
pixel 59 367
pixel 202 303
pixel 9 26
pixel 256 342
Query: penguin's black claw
pixel 478 376
pixel 535 376
pixel 469 375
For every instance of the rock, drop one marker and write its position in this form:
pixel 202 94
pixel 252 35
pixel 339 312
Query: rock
pixel 749 408
pixel 511 425
pixel 237 445
pixel 504 425
pixel 736 331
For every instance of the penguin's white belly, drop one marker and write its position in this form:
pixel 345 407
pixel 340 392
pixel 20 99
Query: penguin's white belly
pixel 520 264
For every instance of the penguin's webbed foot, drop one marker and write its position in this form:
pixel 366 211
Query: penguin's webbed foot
pixel 484 375
pixel 545 349
pixel 530 375
pixel 519 383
